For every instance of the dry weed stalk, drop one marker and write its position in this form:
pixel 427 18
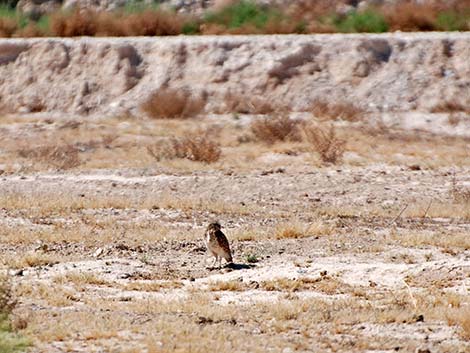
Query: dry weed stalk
pixel 198 146
pixel 169 103
pixel 276 128
pixel 325 142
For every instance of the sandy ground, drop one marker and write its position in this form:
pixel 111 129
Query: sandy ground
pixel 369 255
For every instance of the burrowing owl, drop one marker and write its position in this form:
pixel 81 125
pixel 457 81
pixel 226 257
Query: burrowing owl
pixel 217 244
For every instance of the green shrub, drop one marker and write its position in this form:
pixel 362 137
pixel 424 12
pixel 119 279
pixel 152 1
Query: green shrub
pixel 367 21
pixel 251 258
pixel 243 13
pixel 7 11
pixel 453 21
pixel 191 27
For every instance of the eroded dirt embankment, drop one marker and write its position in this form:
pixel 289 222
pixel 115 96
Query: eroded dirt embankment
pixel 395 71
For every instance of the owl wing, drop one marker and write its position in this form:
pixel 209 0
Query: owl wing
pixel 223 243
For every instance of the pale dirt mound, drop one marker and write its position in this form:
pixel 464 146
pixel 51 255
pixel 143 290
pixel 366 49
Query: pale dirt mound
pixel 395 71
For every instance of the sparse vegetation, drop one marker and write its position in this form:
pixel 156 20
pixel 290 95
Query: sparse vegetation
pixel 10 342
pixel 366 21
pixel 112 252
pixel 60 156
pixel 234 286
pixel 337 111
pixel 325 142
pixel 241 17
pixel 251 258
pixel 273 129
pixel 172 103
pixel 246 104
pixel 198 146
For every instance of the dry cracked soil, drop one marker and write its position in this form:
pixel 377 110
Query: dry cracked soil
pixel 104 241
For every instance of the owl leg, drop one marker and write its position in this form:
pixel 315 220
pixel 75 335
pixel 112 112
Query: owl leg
pixel 215 260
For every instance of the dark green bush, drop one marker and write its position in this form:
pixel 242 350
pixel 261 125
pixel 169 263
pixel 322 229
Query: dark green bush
pixel 453 21
pixel 366 21
pixel 243 13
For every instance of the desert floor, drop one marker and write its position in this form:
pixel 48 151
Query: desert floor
pixel 104 240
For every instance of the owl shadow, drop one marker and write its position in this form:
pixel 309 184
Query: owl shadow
pixel 234 266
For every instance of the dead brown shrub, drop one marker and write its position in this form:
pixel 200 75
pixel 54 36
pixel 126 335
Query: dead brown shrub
pixel 31 30
pixel 79 23
pixel 8 26
pixel 312 10
pixel 63 156
pixel 245 104
pixel 152 23
pixel 325 142
pixel 450 106
pixel 276 128
pixel 197 146
pixel 411 16
pixel 337 111
pixel 91 23
pixel 169 103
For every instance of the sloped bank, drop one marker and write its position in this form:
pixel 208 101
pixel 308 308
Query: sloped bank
pixel 387 72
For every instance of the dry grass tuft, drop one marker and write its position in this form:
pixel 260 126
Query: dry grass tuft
pixel 197 146
pixel 170 103
pixel 30 259
pixel 152 286
pixel 324 284
pixel 233 286
pixel 277 128
pixel 325 142
pixel 459 193
pixel 461 317
pixel 291 230
pixel 80 278
pixel 65 156
pixel 337 111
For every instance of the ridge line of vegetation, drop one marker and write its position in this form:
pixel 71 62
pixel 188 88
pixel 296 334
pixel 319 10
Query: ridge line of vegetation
pixel 240 17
